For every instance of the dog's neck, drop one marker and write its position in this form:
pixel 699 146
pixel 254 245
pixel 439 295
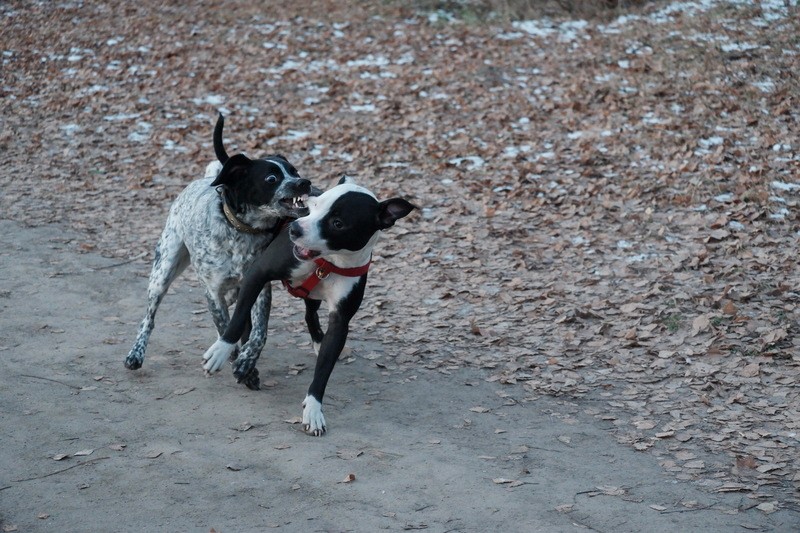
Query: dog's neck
pixel 240 225
pixel 353 259
pixel 236 223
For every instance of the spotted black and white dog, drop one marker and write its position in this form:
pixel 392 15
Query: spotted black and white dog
pixel 220 224
pixel 321 257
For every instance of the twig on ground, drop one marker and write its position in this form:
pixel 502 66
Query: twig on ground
pixel 62 470
pixel 50 379
pixel 88 270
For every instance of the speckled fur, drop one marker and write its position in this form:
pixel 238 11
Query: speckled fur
pixel 197 232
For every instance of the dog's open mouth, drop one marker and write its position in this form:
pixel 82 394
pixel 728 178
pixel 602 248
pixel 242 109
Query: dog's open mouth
pixel 297 206
pixel 304 254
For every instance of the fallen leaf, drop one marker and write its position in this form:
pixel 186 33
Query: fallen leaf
pixel 153 454
pixel 502 481
pixel 611 490
pixel 479 409
pixel 774 336
pixel 60 456
pixel 180 392
pixel 294 420
pixel 658 507
pixel 349 479
pixel 749 371
pixel 282 446
pixel 83 452
pixel 700 324
pixel 694 464
pixel 630 307
pixel 117 447
pixel 348 455
pixel 233 467
pixel 684 455
pixel 42 516
pixel 767 507
pixel 644 424
pixel 566 508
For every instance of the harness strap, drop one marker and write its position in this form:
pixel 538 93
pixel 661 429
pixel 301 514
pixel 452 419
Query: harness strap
pixel 323 270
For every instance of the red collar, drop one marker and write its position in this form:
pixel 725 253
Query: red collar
pixel 324 269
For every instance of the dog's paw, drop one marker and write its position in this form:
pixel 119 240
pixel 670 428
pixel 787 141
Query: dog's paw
pixel 313 420
pixel 217 355
pixel 245 371
pixel 251 380
pixel 134 360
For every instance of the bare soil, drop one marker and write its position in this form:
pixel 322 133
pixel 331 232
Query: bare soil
pixel 592 322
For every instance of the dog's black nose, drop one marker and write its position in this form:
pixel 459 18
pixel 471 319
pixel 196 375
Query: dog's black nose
pixel 295 231
pixel 304 185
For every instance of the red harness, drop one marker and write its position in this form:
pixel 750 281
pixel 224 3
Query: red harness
pixel 324 269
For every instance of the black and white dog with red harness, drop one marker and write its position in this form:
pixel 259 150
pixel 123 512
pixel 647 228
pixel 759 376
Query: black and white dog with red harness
pixel 323 256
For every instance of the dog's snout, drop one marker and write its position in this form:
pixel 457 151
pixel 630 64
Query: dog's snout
pixel 304 185
pixel 295 230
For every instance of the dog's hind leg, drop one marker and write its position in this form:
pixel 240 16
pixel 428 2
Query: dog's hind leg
pixel 171 258
pixel 312 321
pixel 244 368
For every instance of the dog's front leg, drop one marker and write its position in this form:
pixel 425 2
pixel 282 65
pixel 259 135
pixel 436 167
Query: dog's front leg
pixel 256 279
pixel 244 368
pixel 312 321
pixel 332 344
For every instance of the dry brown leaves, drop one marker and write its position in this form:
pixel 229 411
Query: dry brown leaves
pixel 609 211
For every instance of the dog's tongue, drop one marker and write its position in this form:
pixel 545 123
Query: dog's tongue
pixel 304 254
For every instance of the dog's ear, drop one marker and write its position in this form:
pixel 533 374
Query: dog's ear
pixel 392 210
pixel 233 169
pixel 346 179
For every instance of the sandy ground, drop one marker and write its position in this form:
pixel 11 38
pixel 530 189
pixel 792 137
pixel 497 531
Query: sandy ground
pixel 166 449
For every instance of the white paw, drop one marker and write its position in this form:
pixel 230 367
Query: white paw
pixel 217 355
pixel 313 421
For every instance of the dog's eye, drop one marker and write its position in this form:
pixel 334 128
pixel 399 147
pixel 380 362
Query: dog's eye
pixel 272 178
pixel 337 223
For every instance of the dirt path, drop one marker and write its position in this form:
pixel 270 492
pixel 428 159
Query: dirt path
pixel 174 451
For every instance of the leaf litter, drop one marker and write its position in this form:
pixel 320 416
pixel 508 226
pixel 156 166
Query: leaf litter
pixel 609 210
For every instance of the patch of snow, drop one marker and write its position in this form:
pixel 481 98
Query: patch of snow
pixel 121 117
pixel 509 36
pixel 514 151
pixel 369 61
pixel 470 162
pixel 212 99
pixel 71 129
pixel 738 47
pixel 710 141
pixel 783 186
pixel 364 108
pixel 736 226
pixel 724 198
pixel 172 146
pixel 779 215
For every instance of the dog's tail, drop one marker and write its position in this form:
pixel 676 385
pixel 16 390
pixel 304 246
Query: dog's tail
pixel 222 155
